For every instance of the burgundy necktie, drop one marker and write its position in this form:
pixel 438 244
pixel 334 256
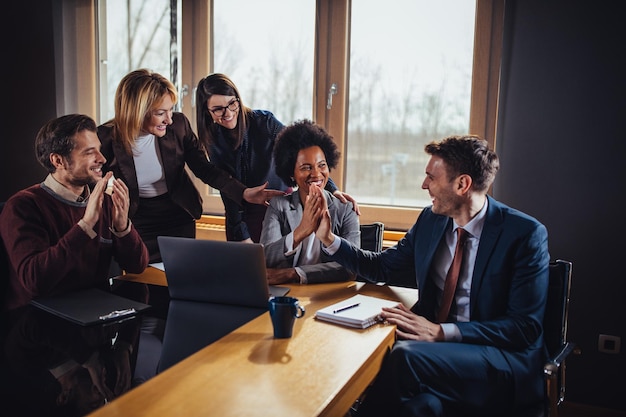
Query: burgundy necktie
pixel 449 287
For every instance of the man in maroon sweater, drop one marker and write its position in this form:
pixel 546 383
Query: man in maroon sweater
pixel 61 235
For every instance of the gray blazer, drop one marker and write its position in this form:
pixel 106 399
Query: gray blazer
pixel 283 216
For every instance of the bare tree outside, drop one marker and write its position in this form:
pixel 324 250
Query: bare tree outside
pixel 410 79
pixel 138 35
pixel 268 54
pixel 407 87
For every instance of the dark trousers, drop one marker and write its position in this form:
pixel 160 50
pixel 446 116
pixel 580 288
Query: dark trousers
pixel 160 216
pixel 440 379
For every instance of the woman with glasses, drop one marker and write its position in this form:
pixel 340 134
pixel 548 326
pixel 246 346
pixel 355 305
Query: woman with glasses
pixel 240 141
pixel 147 145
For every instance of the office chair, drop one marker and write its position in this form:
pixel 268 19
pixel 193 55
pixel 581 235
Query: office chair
pixel 371 239
pixel 555 323
pixel 372 236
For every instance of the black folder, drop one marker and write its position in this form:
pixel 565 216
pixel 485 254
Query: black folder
pixel 90 306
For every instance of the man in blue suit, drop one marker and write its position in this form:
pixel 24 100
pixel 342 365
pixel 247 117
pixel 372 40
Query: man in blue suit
pixel 485 356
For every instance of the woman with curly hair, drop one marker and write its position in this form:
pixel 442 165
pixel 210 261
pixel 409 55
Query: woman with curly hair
pixel 304 155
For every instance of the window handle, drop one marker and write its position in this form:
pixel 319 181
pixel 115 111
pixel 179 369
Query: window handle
pixel 182 92
pixel 331 92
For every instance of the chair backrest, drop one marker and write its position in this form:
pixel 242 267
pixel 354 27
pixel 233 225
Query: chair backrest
pixel 557 306
pixel 555 338
pixel 371 239
pixel 372 236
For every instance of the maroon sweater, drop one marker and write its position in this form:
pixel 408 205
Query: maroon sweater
pixel 50 254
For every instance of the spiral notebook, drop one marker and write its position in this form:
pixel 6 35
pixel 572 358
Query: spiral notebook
pixel 360 311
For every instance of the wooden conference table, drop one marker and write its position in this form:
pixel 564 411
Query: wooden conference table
pixel 320 371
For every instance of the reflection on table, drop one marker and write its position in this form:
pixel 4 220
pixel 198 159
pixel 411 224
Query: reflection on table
pixel 52 367
pixel 320 371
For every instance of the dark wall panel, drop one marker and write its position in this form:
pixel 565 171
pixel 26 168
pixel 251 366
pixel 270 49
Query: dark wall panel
pixel 562 146
pixel 30 70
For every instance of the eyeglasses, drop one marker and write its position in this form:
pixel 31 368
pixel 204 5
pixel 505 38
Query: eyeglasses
pixel 233 105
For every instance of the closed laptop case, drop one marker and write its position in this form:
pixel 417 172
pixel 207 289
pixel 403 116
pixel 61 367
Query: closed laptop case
pixel 90 306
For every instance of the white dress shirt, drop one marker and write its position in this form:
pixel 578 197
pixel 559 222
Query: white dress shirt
pixel 443 260
pixel 148 166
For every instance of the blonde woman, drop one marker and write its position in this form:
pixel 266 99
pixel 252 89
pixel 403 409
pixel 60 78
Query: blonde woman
pixel 147 145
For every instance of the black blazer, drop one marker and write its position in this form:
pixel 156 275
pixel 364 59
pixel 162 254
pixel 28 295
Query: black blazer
pixel 178 147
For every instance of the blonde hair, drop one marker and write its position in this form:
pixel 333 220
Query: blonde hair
pixel 138 93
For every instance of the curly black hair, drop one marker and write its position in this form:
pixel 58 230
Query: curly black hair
pixel 300 135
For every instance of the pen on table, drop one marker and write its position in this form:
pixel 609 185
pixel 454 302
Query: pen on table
pixel 345 308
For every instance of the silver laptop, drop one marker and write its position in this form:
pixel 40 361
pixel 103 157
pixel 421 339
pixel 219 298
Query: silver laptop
pixel 216 271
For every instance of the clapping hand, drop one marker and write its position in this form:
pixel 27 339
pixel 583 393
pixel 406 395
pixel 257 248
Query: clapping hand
pixel 311 214
pixel 121 204
pixel 94 203
pixel 324 231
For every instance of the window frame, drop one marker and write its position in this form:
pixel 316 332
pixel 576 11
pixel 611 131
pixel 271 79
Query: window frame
pixel 332 40
pixel 75 38
pixel 331 66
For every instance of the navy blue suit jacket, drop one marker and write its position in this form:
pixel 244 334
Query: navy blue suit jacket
pixel 508 291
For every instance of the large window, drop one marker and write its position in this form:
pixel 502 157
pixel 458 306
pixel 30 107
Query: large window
pixel 267 49
pixel 410 83
pixel 382 80
pixel 269 55
pixel 134 34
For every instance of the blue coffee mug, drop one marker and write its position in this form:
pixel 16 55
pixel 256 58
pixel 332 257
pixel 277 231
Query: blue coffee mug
pixel 284 311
